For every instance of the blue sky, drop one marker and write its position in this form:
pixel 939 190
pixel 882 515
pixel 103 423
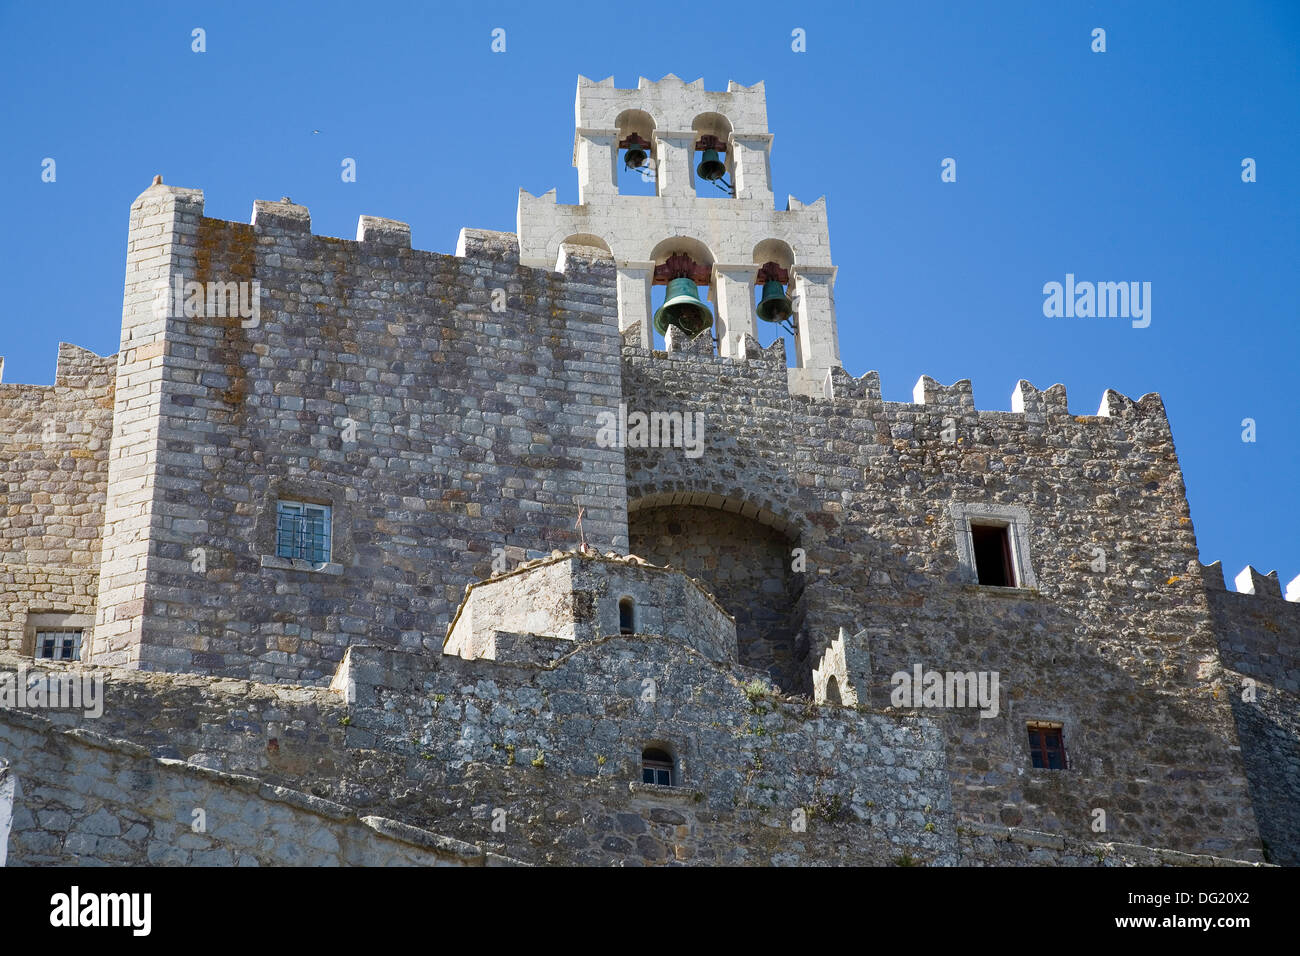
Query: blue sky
pixel 1115 166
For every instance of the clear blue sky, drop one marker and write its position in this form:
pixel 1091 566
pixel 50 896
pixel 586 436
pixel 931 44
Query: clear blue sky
pixel 1123 165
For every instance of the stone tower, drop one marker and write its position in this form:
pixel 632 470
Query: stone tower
pixel 732 235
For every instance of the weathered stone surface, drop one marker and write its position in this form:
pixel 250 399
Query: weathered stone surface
pixel 452 411
pixel 67 810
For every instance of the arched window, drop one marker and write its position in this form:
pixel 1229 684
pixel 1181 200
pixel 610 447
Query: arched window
pixel 626 616
pixel 656 767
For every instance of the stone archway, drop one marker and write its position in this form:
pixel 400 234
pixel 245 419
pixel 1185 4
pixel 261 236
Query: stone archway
pixel 744 561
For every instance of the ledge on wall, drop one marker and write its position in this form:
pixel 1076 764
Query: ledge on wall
pixel 297 564
pixel 1018 594
pixel 657 792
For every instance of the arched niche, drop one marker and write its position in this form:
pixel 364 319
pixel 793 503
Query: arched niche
pixel 587 239
pixel 747 565
pixel 774 250
pixel 699 252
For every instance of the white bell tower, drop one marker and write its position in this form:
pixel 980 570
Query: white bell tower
pixel 732 235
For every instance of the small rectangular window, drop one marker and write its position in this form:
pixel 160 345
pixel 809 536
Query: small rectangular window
pixel 656 768
pixel 58 645
pixel 1046 746
pixel 992 547
pixel 302 531
pixel 662 776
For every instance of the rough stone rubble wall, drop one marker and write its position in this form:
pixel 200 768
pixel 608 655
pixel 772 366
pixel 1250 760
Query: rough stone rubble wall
pixel 1259 638
pixel 1125 658
pixel 82 798
pixel 989 845
pixel 272 766
pixel 440 744
pixel 54 447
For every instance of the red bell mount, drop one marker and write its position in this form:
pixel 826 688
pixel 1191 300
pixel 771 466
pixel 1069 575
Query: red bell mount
pixel 771 272
pixel 634 140
pixel 681 266
pixel 711 142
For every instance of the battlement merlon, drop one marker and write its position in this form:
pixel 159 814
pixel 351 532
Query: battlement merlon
pixel 75 368
pixel 1248 582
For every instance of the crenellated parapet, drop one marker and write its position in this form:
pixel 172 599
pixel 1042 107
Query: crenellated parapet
pixel 1248 581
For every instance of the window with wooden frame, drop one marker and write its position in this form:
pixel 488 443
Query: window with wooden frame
pixel 1047 746
pixel 656 767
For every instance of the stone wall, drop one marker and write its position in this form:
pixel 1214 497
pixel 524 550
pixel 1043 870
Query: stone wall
pixel 54 445
pixel 444 406
pixel 1125 658
pixel 82 798
pixel 990 845
pixel 552 754
pixel 1259 638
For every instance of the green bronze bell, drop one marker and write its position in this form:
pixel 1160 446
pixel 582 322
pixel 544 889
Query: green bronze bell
pixel 775 305
pixel 711 167
pixel 634 158
pixel 682 307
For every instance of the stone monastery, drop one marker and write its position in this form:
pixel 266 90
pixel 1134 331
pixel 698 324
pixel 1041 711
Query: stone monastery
pixel 359 554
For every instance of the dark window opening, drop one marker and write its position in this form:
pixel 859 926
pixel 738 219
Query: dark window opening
pixel 992 547
pixel 656 767
pixel 833 691
pixel 1046 747
pixel 627 616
